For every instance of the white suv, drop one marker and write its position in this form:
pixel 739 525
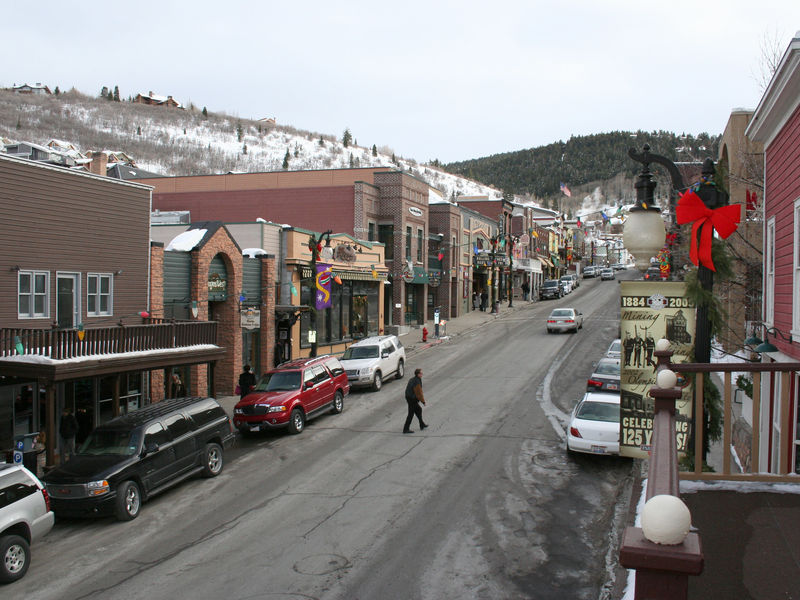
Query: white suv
pixel 25 516
pixel 371 360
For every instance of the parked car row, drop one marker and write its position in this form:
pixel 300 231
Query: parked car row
pixel 594 424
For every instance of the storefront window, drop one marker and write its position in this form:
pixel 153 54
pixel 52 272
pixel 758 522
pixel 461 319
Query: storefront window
pixel 353 313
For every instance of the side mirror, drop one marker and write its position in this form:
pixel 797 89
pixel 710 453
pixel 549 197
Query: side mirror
pixel 385 354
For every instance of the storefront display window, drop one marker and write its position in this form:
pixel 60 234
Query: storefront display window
pixel 353 313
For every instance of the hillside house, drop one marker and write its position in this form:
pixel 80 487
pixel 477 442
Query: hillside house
pixel 152 99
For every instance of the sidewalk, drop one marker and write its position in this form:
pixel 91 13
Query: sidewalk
pixel 455 327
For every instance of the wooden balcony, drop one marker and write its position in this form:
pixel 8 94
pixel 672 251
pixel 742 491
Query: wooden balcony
pixel 63 344
pixel 663 572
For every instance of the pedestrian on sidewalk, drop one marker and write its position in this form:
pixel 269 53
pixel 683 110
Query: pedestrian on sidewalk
pixel 526 288
pixel 476 301
pixel 67 429
pixel 247 382
pixel 414 396
pixel 484 300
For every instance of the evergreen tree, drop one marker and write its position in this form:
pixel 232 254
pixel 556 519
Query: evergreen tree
pixel 352 164
pixel 116 93
pixel 205 112
pixel 321 142
pixel 394 160
pixel 110 96
pixel 347 138
pixel 138 130
pixel 57 91
pixel 239 131
pixel 286 160
pixel 374 150
pixel 104 92
pixel 19 123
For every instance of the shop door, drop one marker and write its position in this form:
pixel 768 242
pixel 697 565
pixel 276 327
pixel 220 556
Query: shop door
pixel 359 315
pixel 79 397
pixel 412 308
pixel 68 300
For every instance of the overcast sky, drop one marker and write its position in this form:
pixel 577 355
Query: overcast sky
pixel 450 80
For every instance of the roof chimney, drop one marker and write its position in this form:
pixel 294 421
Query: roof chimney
pixel 99 164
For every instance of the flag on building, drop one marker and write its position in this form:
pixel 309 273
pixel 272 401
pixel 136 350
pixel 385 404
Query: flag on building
pixel 605 218
pixel 565 190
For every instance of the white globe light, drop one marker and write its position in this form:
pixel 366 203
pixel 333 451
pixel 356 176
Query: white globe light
pixel 644 235
pixel 666 520
pixel 666 379
pixel 662 345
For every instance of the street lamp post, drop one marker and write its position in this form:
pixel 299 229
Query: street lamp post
pixel 511 243
pixel 314 246
pixel 494 241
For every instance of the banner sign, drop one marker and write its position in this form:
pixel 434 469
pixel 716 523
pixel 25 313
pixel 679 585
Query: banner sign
pixel 651 311
pixel 322 292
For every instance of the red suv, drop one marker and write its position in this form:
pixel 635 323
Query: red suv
pixel 292 393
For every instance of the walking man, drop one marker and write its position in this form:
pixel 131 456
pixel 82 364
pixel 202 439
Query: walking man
pixel 413 397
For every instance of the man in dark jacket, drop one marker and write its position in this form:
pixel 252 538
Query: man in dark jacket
pixel 67 429
pixel 247 382
pixel 414 396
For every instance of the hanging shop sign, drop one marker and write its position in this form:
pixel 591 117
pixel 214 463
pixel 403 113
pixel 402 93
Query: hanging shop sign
pixel 434 278
pixel 344 253
pixel 217 283
pixel 250 318
pixel 415 211
pixel 408 273
pixel 651 311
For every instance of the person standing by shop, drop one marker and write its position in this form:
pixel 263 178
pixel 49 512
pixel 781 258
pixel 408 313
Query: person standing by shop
pixel 476 301
pixel 247 382
pixel 178 389
pixel 67 429
pixel 414 397
pixel 484 300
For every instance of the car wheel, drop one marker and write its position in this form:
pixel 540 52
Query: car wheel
pixel 401 370
pixel 15 555
pixel 338 402
pixel 297 421
pixel 212 466
pixel 129 501
pixel 377 381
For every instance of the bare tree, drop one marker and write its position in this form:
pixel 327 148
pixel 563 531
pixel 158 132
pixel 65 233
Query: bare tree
pixel 771 52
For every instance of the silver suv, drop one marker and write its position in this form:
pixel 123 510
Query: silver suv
pixel 371 360
pixel 25 516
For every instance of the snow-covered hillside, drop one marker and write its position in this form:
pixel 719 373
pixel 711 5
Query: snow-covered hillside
pixel 188 142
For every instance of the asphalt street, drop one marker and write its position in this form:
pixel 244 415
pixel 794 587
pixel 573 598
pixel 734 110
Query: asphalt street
pixel 482 504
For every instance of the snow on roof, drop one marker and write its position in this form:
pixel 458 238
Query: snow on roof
pixel 253 252
pixel 39 359
pixel 186 240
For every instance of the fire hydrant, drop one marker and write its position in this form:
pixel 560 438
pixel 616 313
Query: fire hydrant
pixel 424 334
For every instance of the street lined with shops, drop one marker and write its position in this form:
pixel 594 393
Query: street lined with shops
pixel 484 503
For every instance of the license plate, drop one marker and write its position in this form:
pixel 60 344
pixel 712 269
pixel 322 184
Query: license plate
pixel 255 428
pixel 599 449
pixel 613 386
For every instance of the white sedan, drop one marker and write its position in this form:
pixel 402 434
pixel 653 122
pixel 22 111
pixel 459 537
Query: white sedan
pixel 594 425
pixel 564 319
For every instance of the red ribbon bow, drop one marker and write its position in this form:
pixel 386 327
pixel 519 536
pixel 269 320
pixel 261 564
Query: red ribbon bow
pixel 724 220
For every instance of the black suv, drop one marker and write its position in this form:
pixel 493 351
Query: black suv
pixel 127 460
pixel 552 288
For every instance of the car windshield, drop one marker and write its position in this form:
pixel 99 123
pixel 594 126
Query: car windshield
pixel 280 381
pixel 355 352
pixel 551 283
pixel 608 368
pixel 599 411
pixel 616 346
pixel 121 442
pixel 562 312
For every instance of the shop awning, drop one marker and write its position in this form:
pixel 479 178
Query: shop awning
pixel 351 275
pixel 545 261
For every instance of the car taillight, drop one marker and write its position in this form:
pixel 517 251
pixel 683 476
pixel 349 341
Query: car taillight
pixel 573 431
pixel 550 321
pixel 46 499
pixel 569 321
pixel 594 383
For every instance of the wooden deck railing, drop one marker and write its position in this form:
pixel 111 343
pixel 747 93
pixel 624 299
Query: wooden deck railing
pixel 662 572
pixel 60 344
